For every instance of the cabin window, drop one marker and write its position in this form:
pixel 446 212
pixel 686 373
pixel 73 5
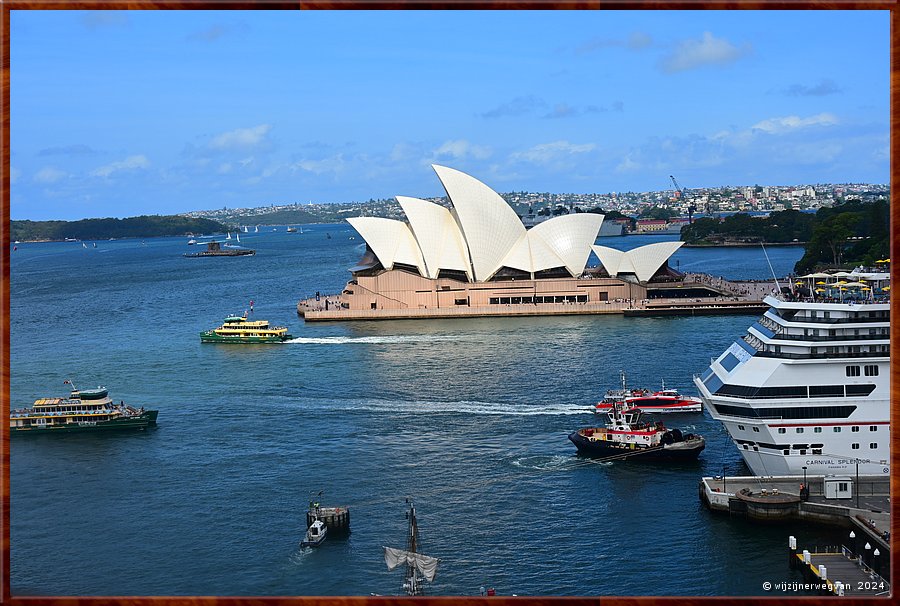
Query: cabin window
pixel 741 427
pixel 756 429
pixel 836 429
pixel 817 430
pixel 782 430
pixel 855 428
pixel 854 446
pixel 799 430
pixel 873 427
pixel 871 370
pixel 873 445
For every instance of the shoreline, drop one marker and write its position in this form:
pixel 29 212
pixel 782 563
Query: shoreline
pixel 742 244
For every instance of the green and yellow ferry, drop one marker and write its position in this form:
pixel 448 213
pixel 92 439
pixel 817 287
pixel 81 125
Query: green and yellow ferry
pixel 83 410
pixel 237 329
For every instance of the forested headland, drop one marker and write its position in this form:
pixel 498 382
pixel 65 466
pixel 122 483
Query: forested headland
pixel 145 226
pixel 851 233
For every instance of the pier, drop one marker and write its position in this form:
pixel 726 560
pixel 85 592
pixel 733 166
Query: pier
pixel 335 518
pixel 863 503
pixel 839 571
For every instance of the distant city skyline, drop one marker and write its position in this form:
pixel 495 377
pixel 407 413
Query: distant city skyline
pixel 122 113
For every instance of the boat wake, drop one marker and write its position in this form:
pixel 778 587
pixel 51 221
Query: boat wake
pixel 547 462
pixel 464 407
pixel 379 340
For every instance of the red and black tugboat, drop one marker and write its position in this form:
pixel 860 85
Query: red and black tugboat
pixel 626 436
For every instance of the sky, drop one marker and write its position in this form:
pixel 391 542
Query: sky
pixel 122 113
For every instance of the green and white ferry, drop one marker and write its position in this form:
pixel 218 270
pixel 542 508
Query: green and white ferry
pixel 83 410
pixel 238 329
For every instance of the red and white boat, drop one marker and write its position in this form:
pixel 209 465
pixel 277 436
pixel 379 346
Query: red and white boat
pixel 663 401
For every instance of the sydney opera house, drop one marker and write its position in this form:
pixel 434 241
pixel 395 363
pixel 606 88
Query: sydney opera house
pixel 478 259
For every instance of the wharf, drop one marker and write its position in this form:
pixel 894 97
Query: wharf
pixel 335 518
pixel 839 571
pixel 863 505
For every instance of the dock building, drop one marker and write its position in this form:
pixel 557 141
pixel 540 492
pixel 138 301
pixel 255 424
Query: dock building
pixel 478 259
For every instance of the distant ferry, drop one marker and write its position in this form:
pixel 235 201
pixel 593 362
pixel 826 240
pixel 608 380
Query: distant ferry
pixel 83 410
pixel 237 329
pixel 214 249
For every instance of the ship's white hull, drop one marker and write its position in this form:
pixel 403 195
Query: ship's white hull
pixel 804 393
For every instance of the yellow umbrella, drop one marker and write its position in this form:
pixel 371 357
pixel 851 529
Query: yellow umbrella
pixel 885 288
pixel 820 282
pixel 820 290
pixel 865 288
pixel 798 283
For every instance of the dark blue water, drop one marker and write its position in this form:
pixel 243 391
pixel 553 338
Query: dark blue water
pixel 468 417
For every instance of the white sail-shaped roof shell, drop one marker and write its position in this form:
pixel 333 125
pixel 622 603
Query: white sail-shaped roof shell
pixel 437 235
pixel 643 261
pixel 392 241
pixel 490 227
pixel 569 238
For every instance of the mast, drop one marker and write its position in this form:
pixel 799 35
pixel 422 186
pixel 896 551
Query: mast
pixel 411 583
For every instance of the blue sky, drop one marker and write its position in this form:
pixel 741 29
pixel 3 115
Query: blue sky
pixel 146 112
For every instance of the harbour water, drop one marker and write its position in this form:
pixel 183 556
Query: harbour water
pixel 467 417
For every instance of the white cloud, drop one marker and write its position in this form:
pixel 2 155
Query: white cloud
pixel 708 50
pixel 48 174
pixel 628 164
pixel 241 138
pixel 224 168
pixel 549 152
pixel 776 126
pixel 14 174
pixel 334 164
pixel 460 148
pixel 129 163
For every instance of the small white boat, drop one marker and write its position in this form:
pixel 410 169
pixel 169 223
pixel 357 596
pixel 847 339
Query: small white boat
pixel 315 534
pixel 228 237
pixel 256 231
pixel 191 242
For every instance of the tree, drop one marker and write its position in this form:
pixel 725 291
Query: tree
pixel 832 235
pixel 657 212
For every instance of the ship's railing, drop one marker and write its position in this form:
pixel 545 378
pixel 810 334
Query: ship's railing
pixel 782 336
pixel 885 298
pixel 822 356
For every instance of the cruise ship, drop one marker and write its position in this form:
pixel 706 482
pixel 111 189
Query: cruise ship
pixel 807 389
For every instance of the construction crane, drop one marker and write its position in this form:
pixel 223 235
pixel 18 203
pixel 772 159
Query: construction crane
pixel 691 207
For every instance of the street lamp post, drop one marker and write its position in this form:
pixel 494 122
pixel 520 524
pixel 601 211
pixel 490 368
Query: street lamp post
pixel 867 558
pixel 856 488
pixel 875 554
pixel 853 539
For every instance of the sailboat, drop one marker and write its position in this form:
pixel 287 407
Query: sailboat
pixel 245 229
pixel 228 237
pixel 256 231
pixel 416 563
